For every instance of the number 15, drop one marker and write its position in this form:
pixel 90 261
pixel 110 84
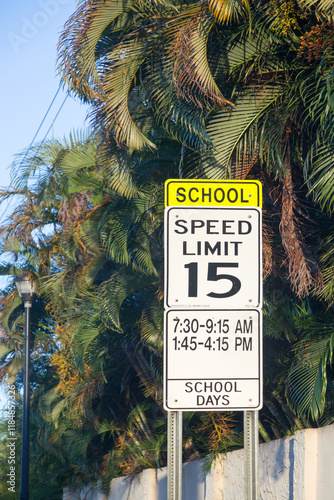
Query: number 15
pixel 212 276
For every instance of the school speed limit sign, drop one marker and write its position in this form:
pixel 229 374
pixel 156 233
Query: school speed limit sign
pixel 213 257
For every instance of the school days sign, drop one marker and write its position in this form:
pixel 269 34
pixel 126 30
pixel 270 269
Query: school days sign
pixel 213 360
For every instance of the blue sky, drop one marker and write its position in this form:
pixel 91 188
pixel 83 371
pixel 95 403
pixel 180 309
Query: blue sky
pixel 29 35
pixel 29 31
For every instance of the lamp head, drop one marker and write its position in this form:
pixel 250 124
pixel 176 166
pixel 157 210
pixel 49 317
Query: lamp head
pixel 25 287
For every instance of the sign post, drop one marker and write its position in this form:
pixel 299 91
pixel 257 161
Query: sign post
pixel 213 301
pixel 251 445
pixel 174 455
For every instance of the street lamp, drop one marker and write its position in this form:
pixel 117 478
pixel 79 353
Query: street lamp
pixel 26 291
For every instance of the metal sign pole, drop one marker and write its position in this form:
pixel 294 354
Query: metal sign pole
pixel 174 455
pixel 251 445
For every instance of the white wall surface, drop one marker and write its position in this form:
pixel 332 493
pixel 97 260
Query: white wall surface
pixel 300 467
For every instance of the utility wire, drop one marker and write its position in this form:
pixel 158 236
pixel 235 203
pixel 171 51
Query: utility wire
pixel 39 128
pixel 55 118
pixel 47 132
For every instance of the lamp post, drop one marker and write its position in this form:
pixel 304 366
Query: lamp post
pixel 26 291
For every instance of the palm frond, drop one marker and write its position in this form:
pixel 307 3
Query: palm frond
pixel 116 289
pixel 322 6
pixel 234 135
pixel 227 10
pixel 320 174
pixel 307 380
pixel 78 43
pixel 122 64
pixel 187 43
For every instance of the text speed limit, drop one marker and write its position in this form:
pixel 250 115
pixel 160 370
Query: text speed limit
pixel 213 257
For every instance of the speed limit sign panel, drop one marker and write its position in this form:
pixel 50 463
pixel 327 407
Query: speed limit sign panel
pixel 213 258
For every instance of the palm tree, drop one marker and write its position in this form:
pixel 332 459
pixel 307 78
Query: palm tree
pixel 247 93
pixel 90 234
pixel 123 57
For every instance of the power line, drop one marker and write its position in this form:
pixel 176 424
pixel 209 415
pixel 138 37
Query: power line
pixel 55 118
pixel 40 126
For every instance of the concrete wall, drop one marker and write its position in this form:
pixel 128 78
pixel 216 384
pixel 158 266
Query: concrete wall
pixel 300 467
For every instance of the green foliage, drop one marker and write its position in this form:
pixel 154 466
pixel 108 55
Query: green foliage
pixel 96 354
pixel 218 90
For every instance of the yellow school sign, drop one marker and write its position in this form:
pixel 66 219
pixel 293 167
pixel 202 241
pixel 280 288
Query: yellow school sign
pixel 215 193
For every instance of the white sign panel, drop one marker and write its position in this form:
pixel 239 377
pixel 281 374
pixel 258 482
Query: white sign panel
pixel 213 360
pixel 213 258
